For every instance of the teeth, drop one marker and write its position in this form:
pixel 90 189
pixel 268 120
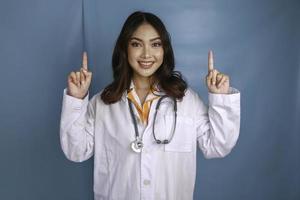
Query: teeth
pixel 146 63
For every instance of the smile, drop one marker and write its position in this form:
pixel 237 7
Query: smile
pixel 145 65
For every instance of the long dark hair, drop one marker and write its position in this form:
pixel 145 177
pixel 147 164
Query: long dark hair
pixel 170 81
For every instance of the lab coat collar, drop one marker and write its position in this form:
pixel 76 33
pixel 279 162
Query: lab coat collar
pixel 156 90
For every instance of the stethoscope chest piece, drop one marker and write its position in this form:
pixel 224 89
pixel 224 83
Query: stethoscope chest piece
pixel 137 146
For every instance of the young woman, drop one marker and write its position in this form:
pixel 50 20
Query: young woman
pixel 144 128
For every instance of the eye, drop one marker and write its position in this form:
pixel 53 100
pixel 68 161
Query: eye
pixel 156 44
pixel 134 44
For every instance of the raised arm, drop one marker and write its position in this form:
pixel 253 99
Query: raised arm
pixel 78 116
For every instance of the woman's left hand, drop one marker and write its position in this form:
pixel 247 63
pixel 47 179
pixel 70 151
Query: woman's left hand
pixel 216 82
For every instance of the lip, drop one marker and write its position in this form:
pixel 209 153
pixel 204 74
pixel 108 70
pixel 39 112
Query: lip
pixel 145 64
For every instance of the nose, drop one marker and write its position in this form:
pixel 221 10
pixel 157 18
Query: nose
pixel 146 52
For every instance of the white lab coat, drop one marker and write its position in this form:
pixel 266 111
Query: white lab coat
pixel 160 172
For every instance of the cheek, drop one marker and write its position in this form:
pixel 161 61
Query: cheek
pixel 131 55
pixel 159 55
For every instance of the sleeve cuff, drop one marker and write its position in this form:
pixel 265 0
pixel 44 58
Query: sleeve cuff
pixel 75 103
pixel 233 97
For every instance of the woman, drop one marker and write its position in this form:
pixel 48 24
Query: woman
pixel 144 128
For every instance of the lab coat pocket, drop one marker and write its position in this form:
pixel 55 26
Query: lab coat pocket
pixel 184 134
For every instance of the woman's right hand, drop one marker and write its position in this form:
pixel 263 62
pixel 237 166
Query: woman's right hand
pixel 79 82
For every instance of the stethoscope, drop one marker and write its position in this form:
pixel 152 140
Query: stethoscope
pixel 137 144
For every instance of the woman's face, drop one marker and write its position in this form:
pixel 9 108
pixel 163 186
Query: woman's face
pixel 145 51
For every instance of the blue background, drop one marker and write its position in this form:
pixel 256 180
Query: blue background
pixel 255 42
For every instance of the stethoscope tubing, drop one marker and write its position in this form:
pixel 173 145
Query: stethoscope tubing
pixel 166 141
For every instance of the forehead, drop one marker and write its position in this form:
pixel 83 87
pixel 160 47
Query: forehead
pixel 145 31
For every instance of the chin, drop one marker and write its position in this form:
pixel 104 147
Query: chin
pixel 147 72
pixel 145 75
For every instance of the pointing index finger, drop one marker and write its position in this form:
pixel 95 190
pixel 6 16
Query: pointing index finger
pixel 210 60
pixel 85 61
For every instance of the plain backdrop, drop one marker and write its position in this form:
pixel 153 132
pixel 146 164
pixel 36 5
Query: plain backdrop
pixel 255 42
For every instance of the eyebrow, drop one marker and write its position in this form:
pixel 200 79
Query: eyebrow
pixel 135 38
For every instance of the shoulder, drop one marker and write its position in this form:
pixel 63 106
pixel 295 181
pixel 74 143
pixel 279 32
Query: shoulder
pixel 192 101
pixel 191 95
pixel 96 99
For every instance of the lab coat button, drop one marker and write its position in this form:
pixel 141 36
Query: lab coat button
pixel 147 182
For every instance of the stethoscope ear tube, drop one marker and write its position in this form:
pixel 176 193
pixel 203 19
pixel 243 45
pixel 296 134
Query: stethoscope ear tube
pixel 133 119
pixel 159 101
pixel 166 141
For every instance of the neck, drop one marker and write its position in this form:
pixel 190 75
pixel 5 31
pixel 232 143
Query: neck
pixel 142 82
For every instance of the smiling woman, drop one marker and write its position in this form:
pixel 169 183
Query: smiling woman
pixel 143 52
pixel 145 56
pixel 144 128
